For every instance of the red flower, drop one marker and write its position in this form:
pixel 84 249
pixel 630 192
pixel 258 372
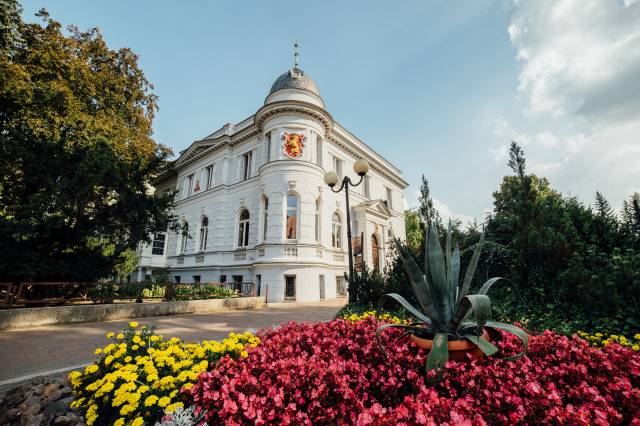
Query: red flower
pixel 334 373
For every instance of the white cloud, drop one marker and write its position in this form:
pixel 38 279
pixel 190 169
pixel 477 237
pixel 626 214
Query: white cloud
pixel 446 213
pixel 581 71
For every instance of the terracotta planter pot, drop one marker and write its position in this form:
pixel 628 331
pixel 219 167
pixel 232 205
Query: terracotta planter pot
pixel 458 349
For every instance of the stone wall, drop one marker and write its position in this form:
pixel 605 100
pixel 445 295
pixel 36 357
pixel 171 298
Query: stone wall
pixel 30 317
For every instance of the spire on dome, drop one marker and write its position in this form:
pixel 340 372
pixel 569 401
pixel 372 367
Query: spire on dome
pixel 295 54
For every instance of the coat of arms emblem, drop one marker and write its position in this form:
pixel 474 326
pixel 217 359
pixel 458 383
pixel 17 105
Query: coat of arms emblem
pixel 293 144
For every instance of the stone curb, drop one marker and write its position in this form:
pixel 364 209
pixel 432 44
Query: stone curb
pixel 33 317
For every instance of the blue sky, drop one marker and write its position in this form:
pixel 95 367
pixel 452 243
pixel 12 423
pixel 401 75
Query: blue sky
pixel 437 87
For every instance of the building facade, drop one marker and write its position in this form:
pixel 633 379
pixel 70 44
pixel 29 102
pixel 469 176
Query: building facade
pixel 253 205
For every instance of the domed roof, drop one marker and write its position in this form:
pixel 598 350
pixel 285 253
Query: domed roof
pixel 295 78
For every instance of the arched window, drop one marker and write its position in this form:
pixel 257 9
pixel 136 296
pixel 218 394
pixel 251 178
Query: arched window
pixel 336 231
pixel 204 233
pixel 265 218
pixel 184 237
pixel 292 217
pixel 317 221
pixel 375 253
pixel 243 230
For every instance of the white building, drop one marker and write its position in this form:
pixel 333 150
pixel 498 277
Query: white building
pixel 252 200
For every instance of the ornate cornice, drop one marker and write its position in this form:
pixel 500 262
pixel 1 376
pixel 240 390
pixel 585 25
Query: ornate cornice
pixel 295 107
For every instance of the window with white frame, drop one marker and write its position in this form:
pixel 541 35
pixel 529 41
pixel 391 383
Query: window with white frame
pixel 159 239
pixel 317 221
pixel 336 231
pixel 243 229
pixel 184 237
pixel 208 176
pixel 268 136
pixel 337 166
pixel 265 218
pixel 319 151
pixel 292 217
pixel 246 165
pixel 204 233
pixel 389 198
pixel 188 185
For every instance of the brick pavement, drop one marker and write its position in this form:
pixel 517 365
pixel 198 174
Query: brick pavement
pixel 32 351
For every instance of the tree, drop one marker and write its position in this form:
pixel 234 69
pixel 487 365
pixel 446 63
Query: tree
pixel 428 213
pixel 76 154
pixel 414 230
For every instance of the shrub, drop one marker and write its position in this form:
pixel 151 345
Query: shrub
pixel 334 373
pixel 138 377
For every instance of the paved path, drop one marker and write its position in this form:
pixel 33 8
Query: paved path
pixel 46 350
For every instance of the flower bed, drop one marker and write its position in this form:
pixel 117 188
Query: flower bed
pixel 137 378
pixel 334 373
pixel 599 340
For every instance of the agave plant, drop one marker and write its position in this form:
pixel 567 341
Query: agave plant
pixel 445 304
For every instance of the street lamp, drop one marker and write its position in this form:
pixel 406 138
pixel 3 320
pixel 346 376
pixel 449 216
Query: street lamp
pixel 361 167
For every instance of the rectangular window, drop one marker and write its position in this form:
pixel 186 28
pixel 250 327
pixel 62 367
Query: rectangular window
pixel 292 217
pixel 246 165
pixel 189 185
pixel 290 287
pixel 317 221
pixel 196 279
pixel 337 166
pixel 341 290
pixel 237 278
pixel 158 243
pixel 389 198
pixel 176 278
pixel 319 152
pixel 265 219
pixel 209 177
pixel 268 147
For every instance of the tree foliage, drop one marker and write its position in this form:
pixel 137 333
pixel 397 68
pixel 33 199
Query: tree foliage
pixel 76 152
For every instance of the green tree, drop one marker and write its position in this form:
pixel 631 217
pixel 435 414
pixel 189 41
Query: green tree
pixel 76 152
pixel 414 230
pixel 428 213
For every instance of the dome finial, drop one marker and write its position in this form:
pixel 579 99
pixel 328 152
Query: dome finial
pixel 295 54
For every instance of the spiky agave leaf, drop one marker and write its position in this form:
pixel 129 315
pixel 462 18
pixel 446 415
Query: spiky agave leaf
pixel 487 285
pixel 455 277
pixel 406 305
pixel 518 332
pixel 479 305
pixel 438 275
pixel 420 284
pixel 486 347
pixel 439 353
pixel 471 269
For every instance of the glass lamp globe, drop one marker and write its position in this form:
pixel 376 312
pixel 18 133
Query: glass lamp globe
pixel 331 178
pixel 361 167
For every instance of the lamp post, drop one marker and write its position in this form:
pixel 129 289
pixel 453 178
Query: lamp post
pixel 361 167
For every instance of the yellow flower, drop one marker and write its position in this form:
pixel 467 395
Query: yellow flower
pixel 152 399
pixel 110 335
pixel 164 401
pixel 137 422
pixel 133 324
pixel 136 339
pixel 127 359
pixel 119 422
pixel 120 336
pixel 97 351
pixel 635 347
pixel 134 347
pixel 108 360
pixel 244 354
pixel 91 369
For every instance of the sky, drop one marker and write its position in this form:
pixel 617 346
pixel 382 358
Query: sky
pixel 438 88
